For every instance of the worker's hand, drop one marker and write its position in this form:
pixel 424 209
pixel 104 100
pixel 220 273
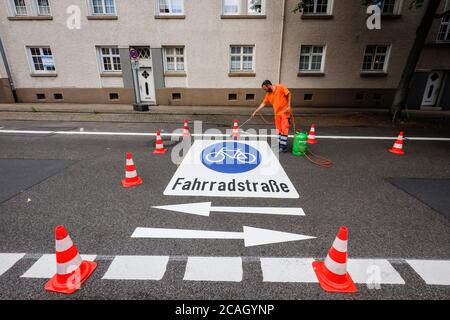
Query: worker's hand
pixel 253 114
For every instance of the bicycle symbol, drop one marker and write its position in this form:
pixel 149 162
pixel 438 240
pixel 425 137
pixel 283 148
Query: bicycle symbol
pixel 231 157
pixel 234 154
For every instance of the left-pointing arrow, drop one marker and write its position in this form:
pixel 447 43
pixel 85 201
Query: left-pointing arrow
pixel 205 208
pixel 251 236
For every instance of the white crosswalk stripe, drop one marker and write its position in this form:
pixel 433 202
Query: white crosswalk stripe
pixel 45 267
pixel 288 270
pixel 434 272
pixel 7 260
pixel 137 268
pixel 230 269
pixel 226 269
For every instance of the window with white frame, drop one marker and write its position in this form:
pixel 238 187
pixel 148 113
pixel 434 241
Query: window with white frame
pixel 109 59
pixel 19 7
pixel 42 7
pixel 375 58
pixel 231 7
pixel 256 6
pixel 103 7
pixel 174 59
pixel 444 30
pixel 41 60
pixel 171 7
pixel 311 58
pixel 315 6
pixel 242 58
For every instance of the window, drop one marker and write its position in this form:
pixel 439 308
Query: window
pixel 110 59
pixel 43 7
pixel 231 7
pixel 308 97
pixel 58 96
pixel 311 58
pixel 20 8
pixel 174 58
pixel 242 58
pixel 250 96
pixel 232 96
pixel 360 96
pixel 176 96
pixel 40 96
pixel 171 7
pixel 375 58
pixel 444 30
pixel 255 6
pixel 41 60
pixel 113 96
pixel 315 6
pixel 106 7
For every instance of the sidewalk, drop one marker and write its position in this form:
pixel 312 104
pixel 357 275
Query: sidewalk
pixel 217 114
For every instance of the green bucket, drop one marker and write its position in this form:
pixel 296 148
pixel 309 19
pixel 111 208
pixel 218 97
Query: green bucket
pixel 299 145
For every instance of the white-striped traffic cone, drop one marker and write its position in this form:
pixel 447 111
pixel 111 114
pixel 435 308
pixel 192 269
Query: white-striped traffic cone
pixel 312 135
pixel 131 177
pixel 235 133
pixel 71 270
pixel 186 132
pixel 159 149
pixel 332 273
pixel 398 145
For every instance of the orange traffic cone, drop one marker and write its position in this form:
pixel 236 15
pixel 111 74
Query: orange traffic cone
pixel 186 132
pixel 312 135
pixel 398 145
pixel 235 133
pixel 159 149
pixel 71 271
pixel 332 273
pixel 131 177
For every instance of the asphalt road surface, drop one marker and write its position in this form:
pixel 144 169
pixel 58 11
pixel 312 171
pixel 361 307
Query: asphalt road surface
pixel 399 240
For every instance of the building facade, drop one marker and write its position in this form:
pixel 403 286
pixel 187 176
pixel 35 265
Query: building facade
pixel 216 52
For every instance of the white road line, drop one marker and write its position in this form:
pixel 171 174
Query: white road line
pixel 137 268
pixel 434 272
pixel 224 269
pixel 288 270
pixel 143 134
pixel 7 260
pixel 371 271
pixel 45 267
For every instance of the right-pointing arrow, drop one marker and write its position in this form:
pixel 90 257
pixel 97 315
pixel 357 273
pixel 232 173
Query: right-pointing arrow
pixel 251 236
pixel 205 208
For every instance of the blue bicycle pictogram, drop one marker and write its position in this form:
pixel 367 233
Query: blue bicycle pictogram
pixel 231 157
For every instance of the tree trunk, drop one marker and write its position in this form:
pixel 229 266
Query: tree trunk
pixel 408 72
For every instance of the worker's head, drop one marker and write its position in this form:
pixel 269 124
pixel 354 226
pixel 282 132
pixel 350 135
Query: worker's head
pixel 267 86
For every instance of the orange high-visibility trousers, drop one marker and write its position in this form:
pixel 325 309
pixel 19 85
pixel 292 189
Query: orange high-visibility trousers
pixel 282 123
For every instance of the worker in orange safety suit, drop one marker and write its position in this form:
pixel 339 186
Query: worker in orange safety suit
pixel 280 98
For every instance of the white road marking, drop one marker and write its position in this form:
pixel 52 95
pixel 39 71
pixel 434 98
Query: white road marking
pixel 434 272
pixel 7 260
pixel 288 270
pixel 137 268
pixel 45 267
pixel 274 269
pixel 300 270
pixel 224 269
pixel 144 134
pixel 251 236
pixel 370 271
pixel 205 208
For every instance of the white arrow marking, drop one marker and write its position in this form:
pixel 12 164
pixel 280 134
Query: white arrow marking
pixel 251 236
pixel 205 208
